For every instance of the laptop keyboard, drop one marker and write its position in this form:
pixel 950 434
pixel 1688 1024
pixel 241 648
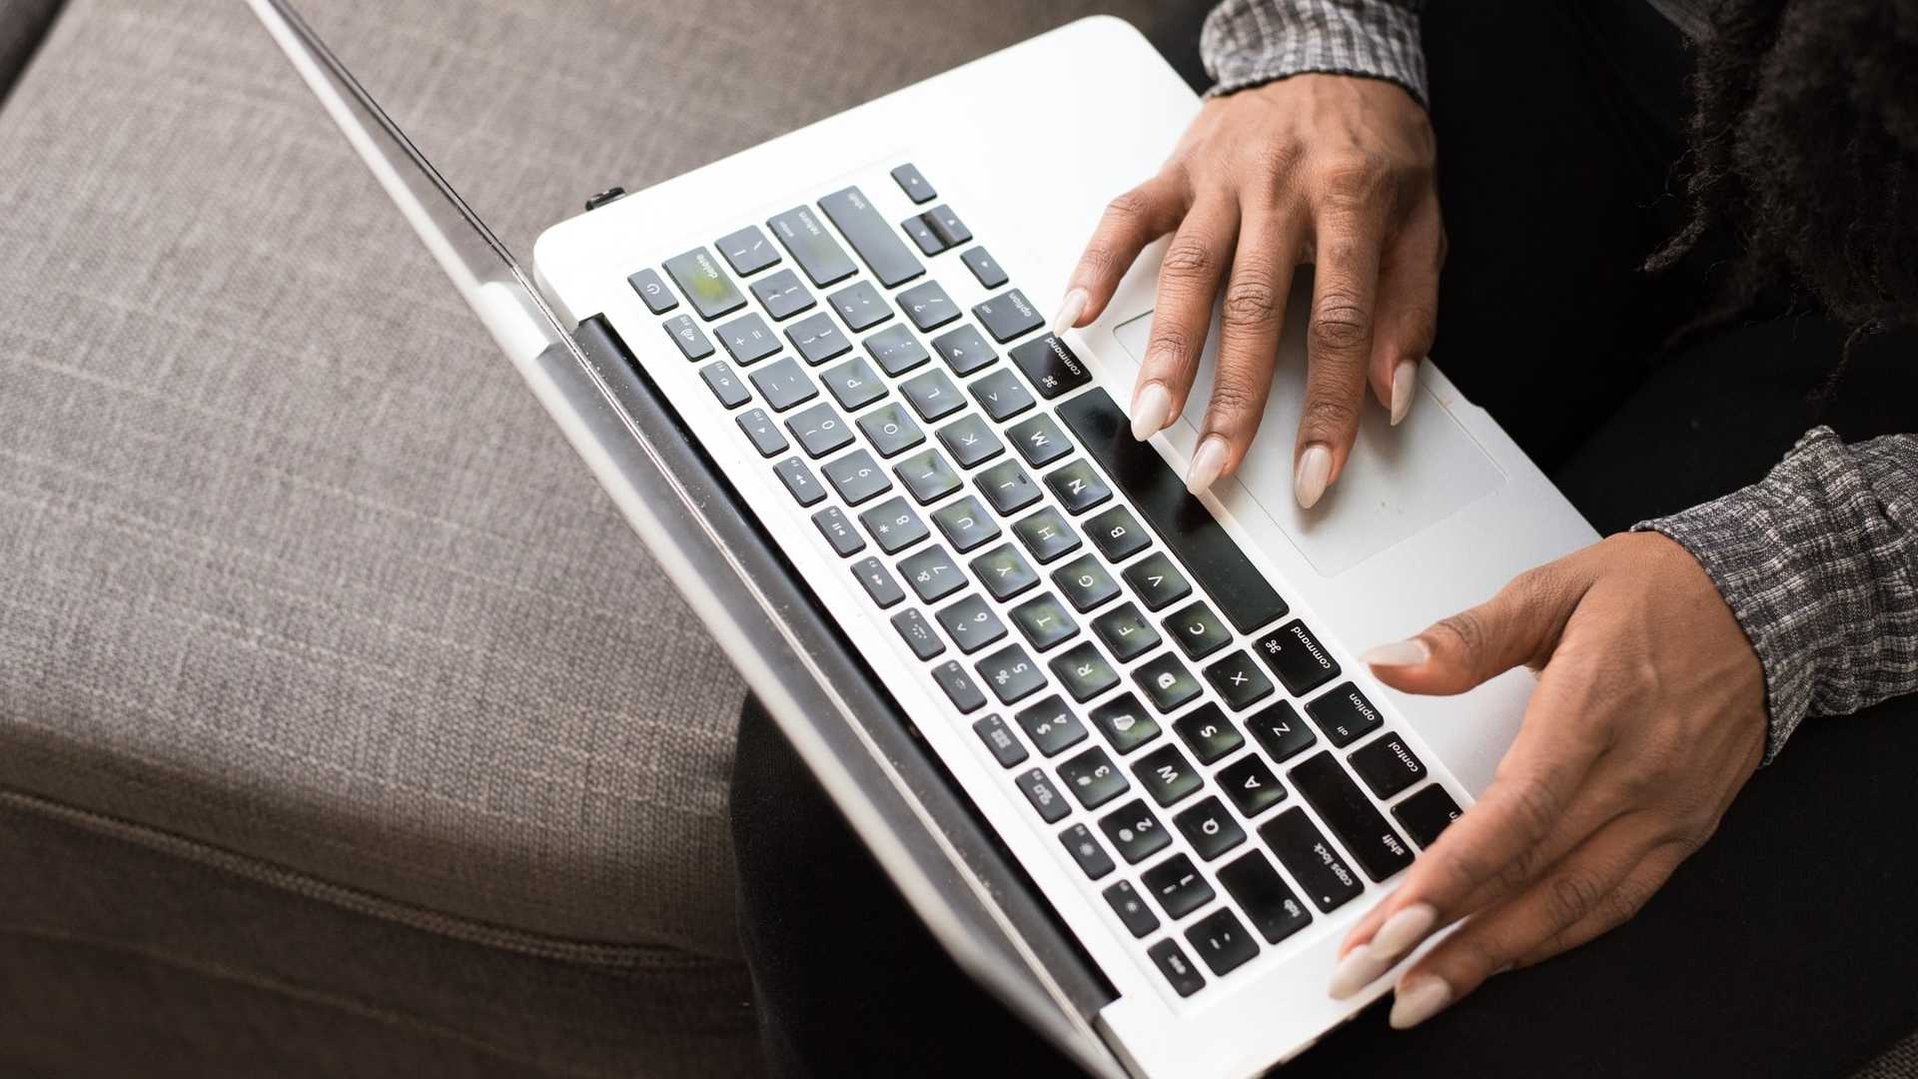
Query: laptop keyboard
pixel 1198 752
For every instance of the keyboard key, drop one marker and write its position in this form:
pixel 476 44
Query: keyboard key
pixel 1134 831
pixel 877 580
pixel 1208 734
pixel 970 441
pixel 1118 534
pixel 947 224
pixel 893 525
pixel 819 430
pixel 927 475
pixel 1011 674
pixel 692 341
pixel 1007 316
pixel 1051 366
pixel 817 339
pixel 1000 740
pixel 1221 942
pixel 1345 809
pixel 782 295
pixel 897 350
pixel 920 230
pixel 1264 897
pixel 860 306
pixel 964 350
pixel 1157 581
pixel 971 624
pixel 1322 874
pixel 1426 814
pixel 875 242
pixel 1209 828
pixel 783 383
pixel 1131 909
pixel 1085 850
pixel 1387 765
pixel 1198 631
pixel 1298 658
pixel 1092 778
pixel 928 307
pixel 653 291
pixel 1051 726
pixel 918 633
pixel 1004 572
pixel 914 185
pixel 1043 795
pixel 1166 681
pixel 854 384
pixel 1125 724
pixel 748 339
pixel 1209 554
pixel 932 395
pixel 1039 439
pixel 966 524
pixel 1046 535
pixel 1007 487
pixel 703 283
pixel 1184 978
pixel 799 481
pixel 1085 582
pixel 1083 672
pixel 1078 487
pixel 1344 715
pixel 1280 731
pixel 890 430
pixel 958 687
pixel 1251 786
pixel 838 531
pixel 1126 631
pixel 1166 775
pixel 1044 622
pixel 748 251
pixel 719 378
pixel 812 247
pixel 984 267
pixel 1001 395
pixel 765 434
pixel 932 574
pixel 1177 886
pixel 857 477
pixel 1239 681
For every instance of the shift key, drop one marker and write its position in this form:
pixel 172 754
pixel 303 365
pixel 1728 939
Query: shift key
pixel 806 239
pixel 871 237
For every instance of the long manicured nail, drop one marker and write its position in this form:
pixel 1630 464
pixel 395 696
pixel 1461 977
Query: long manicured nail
pixel 1397 654
pixel 1402 931
pixel 1360 968
pixel 1070 309
pixel 1151 410
pixel 1405 380
pixel 1417 999
pixel 1310 474
pixel 1206 465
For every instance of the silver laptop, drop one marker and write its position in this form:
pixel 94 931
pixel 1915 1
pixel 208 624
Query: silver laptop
pixel 1109 740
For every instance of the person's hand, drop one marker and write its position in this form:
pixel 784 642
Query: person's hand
pixel 1649 716
pixel 1329 169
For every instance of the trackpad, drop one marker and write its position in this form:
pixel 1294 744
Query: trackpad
pixel 1399 480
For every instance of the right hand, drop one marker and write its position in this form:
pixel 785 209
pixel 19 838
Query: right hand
pixel 1334 170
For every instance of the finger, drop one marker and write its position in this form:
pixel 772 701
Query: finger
pixel 1182 313
pixel 1338 342
pixel 1249 320
pixel 1130 222
pixel 1408 309
pixel 1519 625
pixel 1624 903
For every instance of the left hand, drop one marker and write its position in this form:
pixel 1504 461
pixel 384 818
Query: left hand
pixel 1648 718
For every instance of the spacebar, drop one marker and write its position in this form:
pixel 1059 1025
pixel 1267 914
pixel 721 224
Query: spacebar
pixel 1183 522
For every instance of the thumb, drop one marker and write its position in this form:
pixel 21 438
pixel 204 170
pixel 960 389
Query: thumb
pixel 1519 625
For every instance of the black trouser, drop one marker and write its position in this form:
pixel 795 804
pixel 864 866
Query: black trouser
pixel 1786 946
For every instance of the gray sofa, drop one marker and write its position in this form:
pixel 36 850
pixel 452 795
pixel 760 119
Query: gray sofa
pixel 344 729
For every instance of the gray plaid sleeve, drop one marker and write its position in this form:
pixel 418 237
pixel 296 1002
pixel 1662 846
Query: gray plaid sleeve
pixel 1248 42
pixel 1819 562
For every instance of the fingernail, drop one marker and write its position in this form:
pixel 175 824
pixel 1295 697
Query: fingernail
pixel 1418 999
pixel 1397 654
pixel 1360 968
pixel 1151 410
pixel 1402 931
pixel 1070 309
pixel 1206 465
pixel 1309 475
pixel 1405 379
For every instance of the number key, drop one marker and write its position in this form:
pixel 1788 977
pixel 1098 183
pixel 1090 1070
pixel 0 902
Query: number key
pixel 857 477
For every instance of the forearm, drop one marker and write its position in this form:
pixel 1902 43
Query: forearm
pixel 1249 42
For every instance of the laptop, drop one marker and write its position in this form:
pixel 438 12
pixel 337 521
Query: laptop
pixel 1109 740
